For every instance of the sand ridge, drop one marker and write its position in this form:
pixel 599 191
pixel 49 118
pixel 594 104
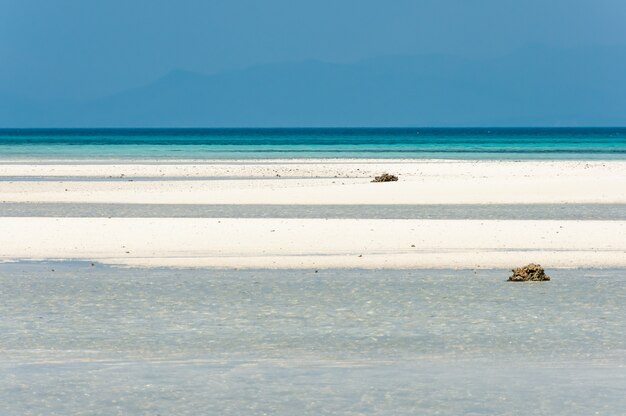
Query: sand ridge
pixel 316 242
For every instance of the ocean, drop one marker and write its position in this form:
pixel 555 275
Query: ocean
pixel 83 338
pixel 421 143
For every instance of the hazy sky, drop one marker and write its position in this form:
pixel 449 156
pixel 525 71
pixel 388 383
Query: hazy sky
pixel 88 48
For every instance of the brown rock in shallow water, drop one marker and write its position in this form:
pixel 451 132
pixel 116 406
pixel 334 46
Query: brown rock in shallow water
pixel 385 177
pixel 530 273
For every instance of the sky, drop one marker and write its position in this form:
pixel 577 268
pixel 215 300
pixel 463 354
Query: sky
pixel 82 49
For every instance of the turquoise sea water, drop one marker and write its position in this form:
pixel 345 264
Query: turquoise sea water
pixel 474 143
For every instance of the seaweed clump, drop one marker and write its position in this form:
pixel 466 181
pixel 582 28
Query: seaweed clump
pixel 529 273
pixel 385 177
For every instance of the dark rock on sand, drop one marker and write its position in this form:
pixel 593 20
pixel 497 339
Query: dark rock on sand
pixel 385 177
pixel 530 273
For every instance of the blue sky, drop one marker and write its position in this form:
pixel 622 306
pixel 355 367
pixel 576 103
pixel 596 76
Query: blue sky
pixel 90 48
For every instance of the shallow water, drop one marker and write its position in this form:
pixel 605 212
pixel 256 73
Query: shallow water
pixel 88 339
pixel 614 212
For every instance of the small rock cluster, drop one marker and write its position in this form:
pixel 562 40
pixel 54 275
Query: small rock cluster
pixel 530 273
pixel 385 177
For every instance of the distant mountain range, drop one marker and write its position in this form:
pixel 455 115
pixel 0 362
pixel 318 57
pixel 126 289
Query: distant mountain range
pixel 535 86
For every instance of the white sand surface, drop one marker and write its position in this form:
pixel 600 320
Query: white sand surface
pixel 366 243
pixel 319 182
pixel 315 242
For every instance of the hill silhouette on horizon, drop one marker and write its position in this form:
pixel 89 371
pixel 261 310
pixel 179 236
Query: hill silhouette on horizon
pixel 533 86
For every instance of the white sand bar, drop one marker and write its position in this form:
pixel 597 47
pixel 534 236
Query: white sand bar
pixel 317 182
pixel 289 243
pixel 316 243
